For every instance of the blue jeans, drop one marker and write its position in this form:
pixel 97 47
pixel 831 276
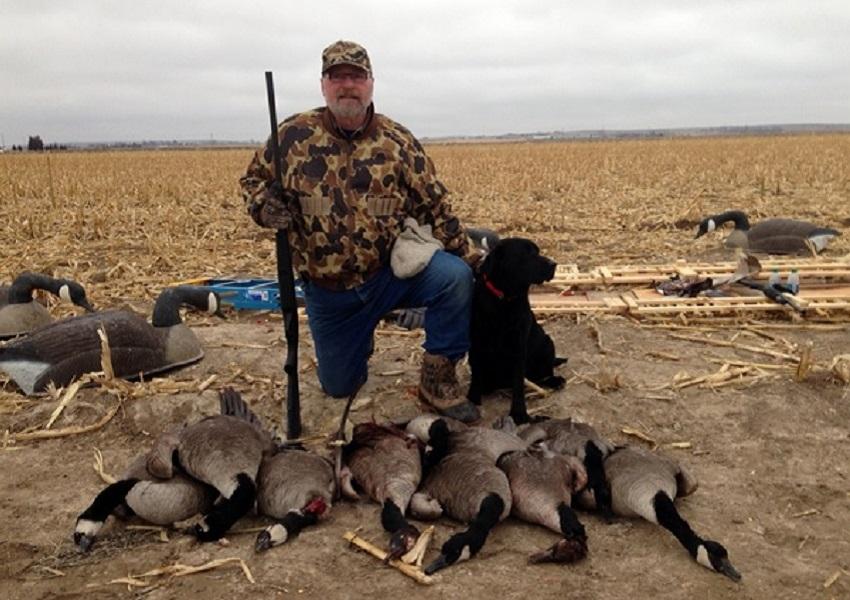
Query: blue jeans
pixel 343 323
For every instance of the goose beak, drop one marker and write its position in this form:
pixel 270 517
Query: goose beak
pixel 726 568
pixel 264 542
pixel 439 563
pixel 84 542
pixel 86 306
pixel 563 551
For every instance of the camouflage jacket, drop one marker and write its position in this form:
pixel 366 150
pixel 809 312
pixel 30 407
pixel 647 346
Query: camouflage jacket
pixel 348 196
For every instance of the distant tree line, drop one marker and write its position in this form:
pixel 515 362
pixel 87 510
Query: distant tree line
pixel 36 144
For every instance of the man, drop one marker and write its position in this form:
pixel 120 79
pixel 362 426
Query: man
pixel 350 178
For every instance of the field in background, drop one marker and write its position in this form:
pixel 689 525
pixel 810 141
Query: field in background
pixel 725 397
pixel 138 220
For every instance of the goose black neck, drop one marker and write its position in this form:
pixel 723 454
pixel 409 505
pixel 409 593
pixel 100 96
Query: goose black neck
pixel 108 500
pixel 20 292
pixel 489 513
pixel 438 440
pixel 571 527
pixel 229 510
pixel 595 466
pixel 736 216
pixel 488 516
pixel 166 311
pixel 294 521
pixel 668 517
pixel 392 518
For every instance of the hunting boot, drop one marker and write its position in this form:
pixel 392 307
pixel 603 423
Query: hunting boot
pixel 439 388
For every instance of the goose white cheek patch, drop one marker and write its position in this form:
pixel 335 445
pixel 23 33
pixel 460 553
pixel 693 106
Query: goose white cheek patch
pixel 212 303
pixel 711 226
pixel 88 528
pixel 65 293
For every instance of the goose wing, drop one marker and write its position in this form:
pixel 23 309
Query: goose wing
pixel 785 236
pixel 291 478
pixel 461 481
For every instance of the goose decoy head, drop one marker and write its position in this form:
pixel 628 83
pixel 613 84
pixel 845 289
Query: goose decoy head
pixel 714 556
pixel 706 226
pixel 71 291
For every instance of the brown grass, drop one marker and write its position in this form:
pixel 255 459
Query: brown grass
pixel 128 223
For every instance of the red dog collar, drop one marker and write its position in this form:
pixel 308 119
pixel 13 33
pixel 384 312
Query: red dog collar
pixel 493 289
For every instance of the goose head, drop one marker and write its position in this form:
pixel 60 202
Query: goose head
pixel 71 291
pixel 458 548
pixel 706 226
pixel 712 555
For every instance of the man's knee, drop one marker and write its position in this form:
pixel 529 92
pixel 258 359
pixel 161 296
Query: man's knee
pixel 342 385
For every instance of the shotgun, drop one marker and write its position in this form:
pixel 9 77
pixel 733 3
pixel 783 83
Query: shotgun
pixel 286 285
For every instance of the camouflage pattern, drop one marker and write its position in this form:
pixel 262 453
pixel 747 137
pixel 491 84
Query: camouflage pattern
pixel 347 196
pixel 346 53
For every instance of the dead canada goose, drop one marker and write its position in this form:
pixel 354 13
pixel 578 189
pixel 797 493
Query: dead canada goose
pixel 771 236
pixel 20 313
pixel 464 480
pixel 574 438
pixel 542 485
pixel 295 487
pixel 471 489
pixel 384 462
pixel 139 492
pixel 644 484
pixel 224 451
pixel 64 350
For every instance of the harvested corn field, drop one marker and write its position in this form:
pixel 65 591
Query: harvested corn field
pixel 757 406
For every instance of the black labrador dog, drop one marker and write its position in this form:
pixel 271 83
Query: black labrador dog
pixel 507 343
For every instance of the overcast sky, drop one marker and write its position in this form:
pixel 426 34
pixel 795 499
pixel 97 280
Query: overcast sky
pixel 81 71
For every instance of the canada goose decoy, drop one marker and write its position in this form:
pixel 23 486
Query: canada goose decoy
pixel 20 313
pixel 574 438
pixel 384 462
pixel 64 350
pixel 139 492
pixel 771 236
pixel 644 484
pixel 484 239
pixel 542 485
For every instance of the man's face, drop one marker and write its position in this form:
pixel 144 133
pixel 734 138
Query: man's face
pixel 347 91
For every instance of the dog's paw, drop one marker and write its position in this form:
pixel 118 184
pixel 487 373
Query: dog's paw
pixel 553 382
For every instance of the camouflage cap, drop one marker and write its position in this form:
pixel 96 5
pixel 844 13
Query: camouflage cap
pixel 342 52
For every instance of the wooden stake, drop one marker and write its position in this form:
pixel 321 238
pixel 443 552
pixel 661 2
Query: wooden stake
pixel 414 573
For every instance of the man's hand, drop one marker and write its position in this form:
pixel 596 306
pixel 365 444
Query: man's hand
pixel 275 213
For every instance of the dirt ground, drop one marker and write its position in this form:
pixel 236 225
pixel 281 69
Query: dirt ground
pixel 771 455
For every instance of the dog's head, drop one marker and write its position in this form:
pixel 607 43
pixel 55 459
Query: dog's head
pixel 514 264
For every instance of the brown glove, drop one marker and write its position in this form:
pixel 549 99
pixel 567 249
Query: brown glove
pixel 275 212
